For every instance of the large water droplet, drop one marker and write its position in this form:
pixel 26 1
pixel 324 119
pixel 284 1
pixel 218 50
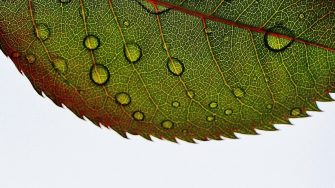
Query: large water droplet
pixel 138 116
pixel 296 112
pixel 99 74
pixel 31 58
pixel 167 124
pixel 278 38
pixel 238 92
pixel 123 98
pixel 42 31
pixel 148 6
pixel 175 66
pixel 91 42
pixel 133 52
pixel 60 65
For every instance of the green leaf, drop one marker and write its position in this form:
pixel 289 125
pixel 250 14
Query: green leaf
pixel 176 68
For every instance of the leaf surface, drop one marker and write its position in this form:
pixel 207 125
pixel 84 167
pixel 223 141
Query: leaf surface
pixel 187 69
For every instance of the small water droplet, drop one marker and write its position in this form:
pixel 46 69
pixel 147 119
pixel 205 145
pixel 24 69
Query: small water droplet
pixel 138 116
pixel 190 94
pixel 31 58
pixel 175 104
pixel 123 98
pixel 278 38
pixel 296 112
pixel 301 16
pixel 91 42
pixel 208 30
pixel 210 118
pixel 60 65
pixel 213 105
pixel 148 6
pixel 126 23
pixel 65 1
pixel 269 106
pixel 228 112
pixel 132 52
pixel 167 124
pixel 175 66
pixel 99 74
pixel 238 92
pixel 42 31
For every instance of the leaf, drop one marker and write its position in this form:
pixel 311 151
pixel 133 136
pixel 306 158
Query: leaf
pixel 176 68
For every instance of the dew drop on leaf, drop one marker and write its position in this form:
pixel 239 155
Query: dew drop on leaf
pixel 190 94
pixel 123 98
pixel 99 74
pixel 210 118
pixel 31 58
pixel 132 52
pixel 175 104
pixel 138 116
pixel 60 65
pixel 149 7
pixel 275 41
pixel 296 112
pixel 238 92
pixel 213 105
pixel 175 66
pixel 228 112
pixel 167 124
pixel 65 1
pixel 42 31
pixel 91 42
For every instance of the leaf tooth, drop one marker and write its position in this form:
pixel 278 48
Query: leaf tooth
pixel 120 132
pixel 229 134
pixel 312 106
pixel 246 130
pixel 325 98
pixel 266 127
pixel 146 136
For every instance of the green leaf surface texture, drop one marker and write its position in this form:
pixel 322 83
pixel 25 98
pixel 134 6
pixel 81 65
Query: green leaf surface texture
pixel 186 69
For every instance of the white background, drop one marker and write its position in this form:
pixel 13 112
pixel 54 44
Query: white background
pixel 44 146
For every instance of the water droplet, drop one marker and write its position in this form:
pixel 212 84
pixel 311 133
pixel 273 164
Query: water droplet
pixel 132 52
pixel 167 124
pixel 238 92
pixel 42 31
pixel 296 112
pixel 126 23
pixel 123 98
pixel 65 1
pixel 213 105
pixel 278 38
pixel 301 16
pixel 91 42
pixel 269 106
pixel 138 116
pixel 60 65
pixel 151 9
pixel 175 104
pixel 175 66
pixel 31 58
pixel 99 74
pixel 208 30
pixel 228 112
pixel 190 94
pixel 210 118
